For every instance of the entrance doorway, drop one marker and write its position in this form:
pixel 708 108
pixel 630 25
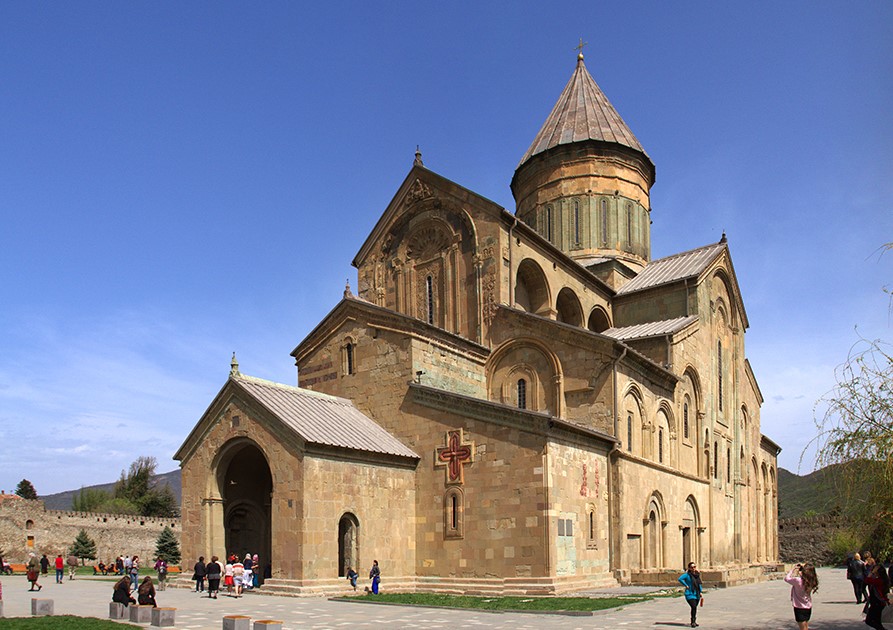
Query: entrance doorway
pixel 348 544
pixel 246 488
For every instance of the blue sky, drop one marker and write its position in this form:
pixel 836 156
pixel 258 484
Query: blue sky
pixel 179 181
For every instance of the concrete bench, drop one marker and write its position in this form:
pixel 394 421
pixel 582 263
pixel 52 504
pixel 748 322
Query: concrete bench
pixel 140 613
pixel 267 624
pixel 236 622
pixel 117 610
pixel 41 607
pixel 163 617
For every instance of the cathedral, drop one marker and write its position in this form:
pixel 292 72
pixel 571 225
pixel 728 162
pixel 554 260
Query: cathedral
pixel 511 402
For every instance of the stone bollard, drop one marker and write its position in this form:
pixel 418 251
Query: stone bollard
pixel 163 617
pixel 140 613
pixel 236 622
pixel 117 610
pixel 41 607
pixel 267 624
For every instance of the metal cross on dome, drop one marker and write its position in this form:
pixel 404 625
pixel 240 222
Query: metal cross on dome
pixel 453 456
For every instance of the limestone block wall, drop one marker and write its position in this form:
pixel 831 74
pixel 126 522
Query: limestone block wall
pixel 27 526
pixel 807 540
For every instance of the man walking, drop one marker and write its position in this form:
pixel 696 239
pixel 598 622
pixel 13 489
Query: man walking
pixel 72 563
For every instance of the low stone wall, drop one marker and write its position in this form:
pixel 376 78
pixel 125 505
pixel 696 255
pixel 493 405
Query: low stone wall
pixel 806 539
pixel 27 526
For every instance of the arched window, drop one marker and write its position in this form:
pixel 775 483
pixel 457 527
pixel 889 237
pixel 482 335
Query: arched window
pixel 660 445
pixel 716 460
pixel 629 224
pixel 348 351
pixel 29 524
pixel 719 372
pixel 522 393
pixel 629 432
pixel 453 513
pixel 604 218
pixel 549 223
pixel 429 288
pixel 685 419
pixel 576 222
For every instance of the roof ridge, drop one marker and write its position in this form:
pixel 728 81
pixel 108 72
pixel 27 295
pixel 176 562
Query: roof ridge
pixel 689 251
pixel 655 321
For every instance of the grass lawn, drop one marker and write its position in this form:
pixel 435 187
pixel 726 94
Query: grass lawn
pixel 62 622
pixel 577 604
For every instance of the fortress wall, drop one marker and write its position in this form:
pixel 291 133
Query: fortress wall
pixel 27 526
pixel 806 539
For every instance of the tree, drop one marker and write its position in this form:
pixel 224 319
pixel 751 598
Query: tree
pixel 90 500
pixel 167 547
pixel 855 421
pixel 135 493
pixel 26 490
pixel 84 547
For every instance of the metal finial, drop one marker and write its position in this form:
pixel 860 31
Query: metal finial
pixel 723 239
pixel 418 157
pixel 347 292
pixel 579 47
pixel 234 366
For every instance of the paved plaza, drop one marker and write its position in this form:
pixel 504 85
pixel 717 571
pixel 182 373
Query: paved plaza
pixel 764 606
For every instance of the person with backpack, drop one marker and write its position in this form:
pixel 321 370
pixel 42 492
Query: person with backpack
pixel 161 568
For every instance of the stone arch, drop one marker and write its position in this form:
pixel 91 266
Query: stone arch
pixel 348 356
pixel 723 293
pixel 348 543
pixel 632 421
pixel 765 508
pixel 530 359
pixel 691 532
pixel 454 512
pixel 29 524
pixel 568 307
pixel 243 482
pixel 598 320
pixel 653 532
pixel 665 430
pixel 532 289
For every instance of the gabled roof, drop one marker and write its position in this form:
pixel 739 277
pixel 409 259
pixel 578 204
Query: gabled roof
pixel 673 268
pixel 582 113
pixel 313 417
pixel 651 329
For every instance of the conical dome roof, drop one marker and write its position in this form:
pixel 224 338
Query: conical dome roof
pixel 582 113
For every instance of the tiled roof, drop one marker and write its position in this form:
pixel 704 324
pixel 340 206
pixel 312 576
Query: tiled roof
pixel 322 419
pixel 672 268
pixel 582 113
pixel 650 329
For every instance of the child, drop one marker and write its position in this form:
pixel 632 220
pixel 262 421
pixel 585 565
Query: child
pixel 352 577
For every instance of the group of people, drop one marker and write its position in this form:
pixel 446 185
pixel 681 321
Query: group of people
pixel 238 575
pixel 374 575
pixel 871 586
pixel 145 592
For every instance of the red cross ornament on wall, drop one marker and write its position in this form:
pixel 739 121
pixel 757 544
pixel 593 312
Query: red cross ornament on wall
pixel 454 456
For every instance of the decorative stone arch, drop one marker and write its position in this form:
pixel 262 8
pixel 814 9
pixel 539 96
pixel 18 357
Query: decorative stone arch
pixel 754 508
pixel 721 276
pixel 238 514
pixel 666 425
pixel 568 308
pixel 653 529
pixel 708 462
pixel 766 509
pixel 348 543
pixel 348 356
pixel 532 292
pixel 691 531
pixel 591 525
pixel 531 357
pixel 691 415
pixel 632 420
pixel 454 513
pixel 598 321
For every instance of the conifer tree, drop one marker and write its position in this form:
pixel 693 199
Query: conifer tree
pixel 26 490
pixel 84 547
pixel 167 547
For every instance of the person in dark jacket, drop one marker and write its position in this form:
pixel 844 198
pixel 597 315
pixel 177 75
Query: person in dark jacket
pixel 198 574
pixel 856 573
pixel 44 564
pixel 121 594
pixel 214 570
pixel 878 584
pixel 146 592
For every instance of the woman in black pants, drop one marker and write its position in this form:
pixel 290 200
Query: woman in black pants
pixel 198 574
pixel 213 572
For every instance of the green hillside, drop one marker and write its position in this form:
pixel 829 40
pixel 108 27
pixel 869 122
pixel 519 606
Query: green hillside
pixel 815 493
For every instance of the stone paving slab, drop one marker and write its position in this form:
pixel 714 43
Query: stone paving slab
pixel 763 606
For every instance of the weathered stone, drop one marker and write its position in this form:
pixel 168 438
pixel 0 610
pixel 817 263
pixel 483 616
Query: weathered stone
pixel 117 610
pixel 140 613
pixel 236 622
pixel 163 617
pixel 41 607
pixel 267 624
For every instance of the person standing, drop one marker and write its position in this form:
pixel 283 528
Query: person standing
pixel 804 582
pixel 856 573
pixel 375 575
pixel 247 580
pixel 161 569
pixel 60 568
pixel 878 583
pixel 44 564
pixel 134 571
pixel 213 571
pixel 691 580
pixel 33 569
pixel 72 563
pixel 228 575
pixel 198 574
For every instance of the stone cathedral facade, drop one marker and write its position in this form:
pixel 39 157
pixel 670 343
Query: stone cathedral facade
pixel 512 402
